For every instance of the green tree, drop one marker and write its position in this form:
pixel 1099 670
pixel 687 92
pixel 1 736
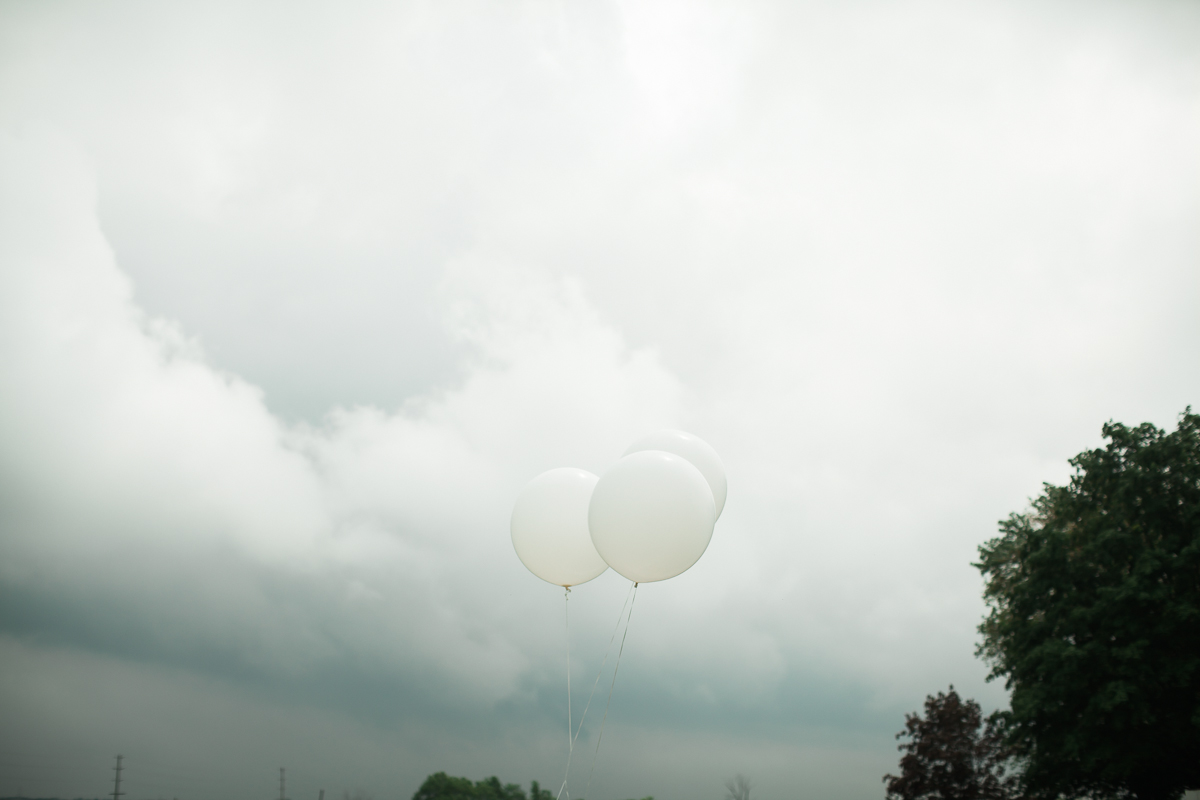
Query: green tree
pixel 952 755
pixel 440 786
pixel 1094 620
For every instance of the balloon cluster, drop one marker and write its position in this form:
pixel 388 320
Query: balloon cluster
pixel 649 517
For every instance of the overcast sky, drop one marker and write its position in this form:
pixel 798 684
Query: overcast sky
pixel 295 298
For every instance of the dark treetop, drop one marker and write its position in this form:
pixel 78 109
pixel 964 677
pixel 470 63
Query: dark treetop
pixel 440 786
pixel 948 756
pixel 1094 620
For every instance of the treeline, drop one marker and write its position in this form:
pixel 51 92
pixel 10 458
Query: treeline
pixel 440 786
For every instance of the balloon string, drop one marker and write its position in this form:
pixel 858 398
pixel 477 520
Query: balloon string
pixel 607 651
pixel 610 691
pixel 570 739
pixel 595 683
pixel 567 624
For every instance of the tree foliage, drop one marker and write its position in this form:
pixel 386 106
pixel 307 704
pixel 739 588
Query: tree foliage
pixel 1094 620
pixel 738 788
pixel 951 754
pixel 440 786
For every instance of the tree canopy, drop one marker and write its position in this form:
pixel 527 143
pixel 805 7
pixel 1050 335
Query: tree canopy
pixel 1094 620
pixel 440 786
pixel 951 755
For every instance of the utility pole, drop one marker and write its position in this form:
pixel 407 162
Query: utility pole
pixel 281 797
pixel 116 792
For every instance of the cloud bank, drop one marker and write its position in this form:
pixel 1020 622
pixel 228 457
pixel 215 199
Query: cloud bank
pixel 288 320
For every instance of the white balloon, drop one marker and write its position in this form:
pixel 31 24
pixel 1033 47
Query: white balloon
pixel 695 450
pixel 651 515
pixel 549 527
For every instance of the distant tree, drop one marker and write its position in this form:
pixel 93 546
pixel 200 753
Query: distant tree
pixel 737 788
pixel 440 786
pixel 492 789
pixel 1094 620
pixel 952 755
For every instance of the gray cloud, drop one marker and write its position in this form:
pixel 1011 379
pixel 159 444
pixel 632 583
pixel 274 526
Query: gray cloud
pixel 293 302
